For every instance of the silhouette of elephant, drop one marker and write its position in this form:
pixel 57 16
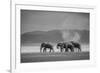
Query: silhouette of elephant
pixel 45 46
pixel 76 45
pixel 60 46
pixel 65 46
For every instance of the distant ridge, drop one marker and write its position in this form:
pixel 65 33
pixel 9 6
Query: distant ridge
pixel 53 36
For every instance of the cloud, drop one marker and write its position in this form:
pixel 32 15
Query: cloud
pixel 76 37
pixel 70 36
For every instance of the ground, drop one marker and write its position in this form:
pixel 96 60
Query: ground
pixel 32 54
pixel 43 57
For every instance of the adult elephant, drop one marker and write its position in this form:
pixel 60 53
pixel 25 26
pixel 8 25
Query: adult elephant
pixel 60 46
pixel 76 45
pixel 45 46
pixel 68 46
pixel 65 46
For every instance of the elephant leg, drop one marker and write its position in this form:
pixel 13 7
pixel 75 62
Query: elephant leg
pixel 72 49
pixel 44 50
pixel 61 50
pixel 79 49
pixel 66 49
pixel 50 50
pixel 41 49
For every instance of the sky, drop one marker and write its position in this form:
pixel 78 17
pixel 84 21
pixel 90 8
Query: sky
pixel 33 20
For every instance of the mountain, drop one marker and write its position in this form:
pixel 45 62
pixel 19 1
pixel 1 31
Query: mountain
pixel 84 36
pixel 41 36
pixel 55 36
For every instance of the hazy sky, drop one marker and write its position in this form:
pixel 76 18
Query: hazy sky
pixel 32 20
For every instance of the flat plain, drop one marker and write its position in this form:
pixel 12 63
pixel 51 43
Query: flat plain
pixel 58 56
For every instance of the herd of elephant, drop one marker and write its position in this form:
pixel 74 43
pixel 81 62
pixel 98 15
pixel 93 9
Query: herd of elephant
pixel 62 46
